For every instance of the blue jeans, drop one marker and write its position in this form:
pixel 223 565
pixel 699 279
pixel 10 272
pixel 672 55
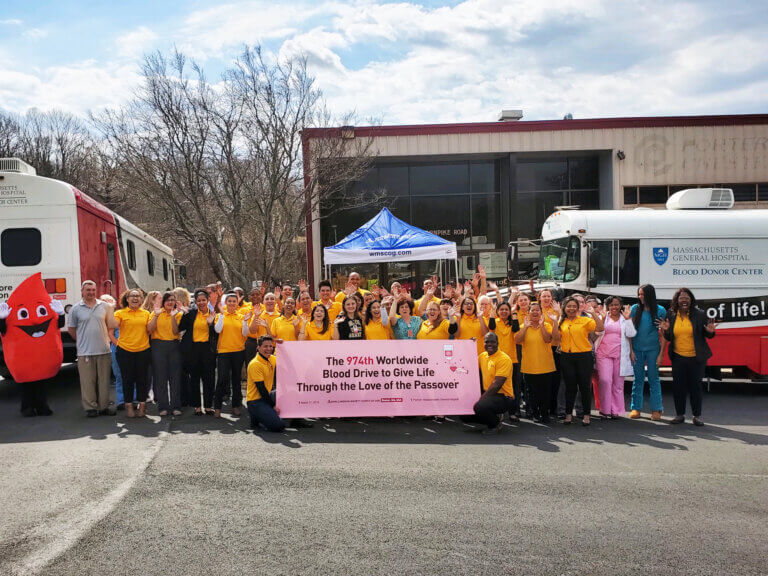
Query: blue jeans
pixel 118 378
pixel 262 413
pixel 643 359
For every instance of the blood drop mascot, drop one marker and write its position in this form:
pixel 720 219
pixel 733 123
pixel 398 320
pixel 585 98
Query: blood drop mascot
pixel 32 350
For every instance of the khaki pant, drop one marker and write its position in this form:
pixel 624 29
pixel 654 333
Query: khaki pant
pixel 95 380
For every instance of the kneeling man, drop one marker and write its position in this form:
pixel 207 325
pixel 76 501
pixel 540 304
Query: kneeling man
pixel 498 395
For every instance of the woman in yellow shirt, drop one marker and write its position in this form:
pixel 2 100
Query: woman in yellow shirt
pixel 376 322
pixel 199 352
pixel 505 325
pixel 260 321
pixel 470 325
pixel 286 326
pixel 576 359
pixel 232 328
pixel 435 327
pixel 166 355
pixel 132 351
pixel 319 328
pixel 687 329
pixel 537 364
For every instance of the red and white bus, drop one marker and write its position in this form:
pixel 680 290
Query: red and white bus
pixel 699 242
pixel 52 227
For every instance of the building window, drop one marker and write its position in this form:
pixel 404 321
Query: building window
pixel 131 254
pixel 150 263
pixel 393 180
pixel 742 192
pixel 486 232
pixel 542 175
pixel 446 216
pixel 21 247
pixel 439 179
pixel 762 192
pixel 652 194
pixel 630 195
pixel 484 177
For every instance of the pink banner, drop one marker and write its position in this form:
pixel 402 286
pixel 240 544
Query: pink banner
pixel 376 378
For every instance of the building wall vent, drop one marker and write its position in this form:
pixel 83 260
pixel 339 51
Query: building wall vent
pixel 16 165
pixel 701 199
pixel 510 115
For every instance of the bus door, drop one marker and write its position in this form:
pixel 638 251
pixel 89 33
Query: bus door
pixel 110 283
pixel 614 263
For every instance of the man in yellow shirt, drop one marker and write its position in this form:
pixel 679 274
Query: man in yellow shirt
pixel 498 395
pixel 333 307
pixel 353 284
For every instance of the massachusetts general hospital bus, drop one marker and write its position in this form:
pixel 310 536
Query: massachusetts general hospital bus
pixel 698 242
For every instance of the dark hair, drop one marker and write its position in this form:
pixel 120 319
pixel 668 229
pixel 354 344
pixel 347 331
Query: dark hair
pixel 263 338
pixel 357 307
pixel 368 315
pixel 474 305
pixel 326 320
pixel 282 312
pixel 124 296
pixel 567 301
pixel 407 301
pixel 199 291
pixel 508 321
pixel 649 296
pixel 324 283
pixel 676 297
pixel 167 296
pixel 360 301
pixel 446 301
pixel 231 295
pixel 609 300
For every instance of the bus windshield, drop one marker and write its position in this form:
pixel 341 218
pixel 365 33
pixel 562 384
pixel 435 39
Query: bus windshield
pixel 560 259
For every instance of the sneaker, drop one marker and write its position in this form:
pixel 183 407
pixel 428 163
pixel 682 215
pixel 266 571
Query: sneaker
pixel 677 420
pixel 656 415
pixel 698 421
pixel 635 414
pixel 91 413
pixel 236 411
pixel 107 412
pixel 177 412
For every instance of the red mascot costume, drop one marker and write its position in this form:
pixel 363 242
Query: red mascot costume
pixel 29 329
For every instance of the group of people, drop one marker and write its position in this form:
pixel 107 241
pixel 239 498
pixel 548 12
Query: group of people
pixel 539 358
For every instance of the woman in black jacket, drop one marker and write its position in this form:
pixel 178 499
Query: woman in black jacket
pixel 686 329
pixel 198 347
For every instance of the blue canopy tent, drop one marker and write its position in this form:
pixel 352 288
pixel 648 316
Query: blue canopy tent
pixel 385 238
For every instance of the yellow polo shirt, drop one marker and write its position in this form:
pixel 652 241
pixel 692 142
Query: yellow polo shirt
pixel 683 331
pixel 574 334
pixel 417 303
pixel 133 329
pixel 375 330
pixel 200 327
pixel 506 339
pixel 333 310
pixel 268 317
pixel 437 332
pixel 537 354
pixel 470 328
pixel 341 295
pixel 231 337
pixel 282 328
pixel 497 365
pixel 260 369
pixel 163 328
pixel 312 332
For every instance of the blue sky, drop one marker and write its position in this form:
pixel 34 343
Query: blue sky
pixel 408 62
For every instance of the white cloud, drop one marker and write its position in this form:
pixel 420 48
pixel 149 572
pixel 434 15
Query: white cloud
pixel 135 43
pixel 34 33
pixel 11 22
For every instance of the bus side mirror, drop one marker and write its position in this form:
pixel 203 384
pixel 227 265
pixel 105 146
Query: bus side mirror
pixel 471 262
pixel 510 252
pixel 592 283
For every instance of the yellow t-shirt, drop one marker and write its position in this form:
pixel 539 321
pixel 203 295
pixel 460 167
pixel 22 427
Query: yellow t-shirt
pixel 268 317
pixel 470 328
pixel 312 332
pixel 683 331
pixel 333 310
pixel 245 308
pixel 497 365
pixel 231 337
pixel 506 339
pixel 417 303
pixel 341 295
pixel 537 354
pixel 304 316
pixel 282 328
pixel 375 330
pixel 133 329
pixel 574 334
pixel 436 332
pixel 163 328
pixel 200 327
pixel 260 369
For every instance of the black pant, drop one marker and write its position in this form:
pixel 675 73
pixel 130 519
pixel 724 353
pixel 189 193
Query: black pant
pixel 167 375
pixel 251 348
pixel 202 365
pixel 488 408
pixel 577 373
pixel 538 385
pixel 554 387
pixel 229 365
pixel 134 368
pixel 34 395
pixel 687 374
pixel 516 384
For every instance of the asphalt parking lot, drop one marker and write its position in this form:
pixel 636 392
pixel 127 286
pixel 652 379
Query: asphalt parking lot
pixel 383 496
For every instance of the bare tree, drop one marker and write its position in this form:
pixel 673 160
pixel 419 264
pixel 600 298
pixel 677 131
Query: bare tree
pixel 219 167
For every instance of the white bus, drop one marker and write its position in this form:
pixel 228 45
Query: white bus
pixel 51 227
pixel 698 242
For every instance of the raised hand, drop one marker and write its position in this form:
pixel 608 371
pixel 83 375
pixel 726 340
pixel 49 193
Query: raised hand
pixel 303 286
pixel 5 310
pixel 349 289
pixel 467 285
pixel 711 326
pixel 248 316
pixel 481 273
pixel 376 291
pixel 626 311
pixel 527 322
pixel 158 311
pixel 263 289
pixel 664 325
pixel 57 307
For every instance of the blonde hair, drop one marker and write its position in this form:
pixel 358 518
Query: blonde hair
pixel 150 299
pixel 182 295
